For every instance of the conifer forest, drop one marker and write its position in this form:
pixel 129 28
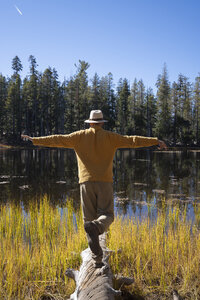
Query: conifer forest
pixel 41 105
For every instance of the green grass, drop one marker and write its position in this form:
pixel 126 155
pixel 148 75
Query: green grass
pixel 37 247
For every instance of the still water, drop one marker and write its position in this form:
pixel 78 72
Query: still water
pixel 144 180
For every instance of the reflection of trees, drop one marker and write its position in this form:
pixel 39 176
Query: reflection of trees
pixel 175 173
pixel 137 173
pixel 39 170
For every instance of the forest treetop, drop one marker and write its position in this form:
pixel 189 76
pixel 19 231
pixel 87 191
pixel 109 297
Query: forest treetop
pixel 42 105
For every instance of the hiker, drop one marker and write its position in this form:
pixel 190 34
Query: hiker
pixel 95 149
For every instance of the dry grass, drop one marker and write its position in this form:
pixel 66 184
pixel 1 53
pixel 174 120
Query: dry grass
pixel 35 250
pixel 161 256
pixel 37 247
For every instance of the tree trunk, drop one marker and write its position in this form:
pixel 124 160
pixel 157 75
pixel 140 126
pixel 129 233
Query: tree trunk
pixel 96 283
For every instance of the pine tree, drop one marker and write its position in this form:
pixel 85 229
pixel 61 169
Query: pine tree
pixel 140 114
pixel 45 104
pixel 58 104
pixel 150 107
pixel 14 103
pixel 3 97
pixel 111 102
pixel 14 107
pixel 30 100
pixel 95 100
pixel 27 112
pixel 164 121
pixel 123 106
pixel 16 65
pixel 52 103
pixel 132 107
pixel 34 94
pixel 175 111
pixel 104 94
pixel 196 112
pixel 81 107
pixel 69 93
pixel 184 123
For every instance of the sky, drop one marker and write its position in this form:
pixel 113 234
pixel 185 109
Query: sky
pixel 129 38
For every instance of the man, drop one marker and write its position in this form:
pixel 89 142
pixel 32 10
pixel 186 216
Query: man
pixel 95 149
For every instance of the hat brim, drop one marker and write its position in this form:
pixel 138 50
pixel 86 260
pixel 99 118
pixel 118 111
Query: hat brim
pixel 95 122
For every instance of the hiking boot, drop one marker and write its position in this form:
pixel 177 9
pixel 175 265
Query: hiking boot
pixel 93 238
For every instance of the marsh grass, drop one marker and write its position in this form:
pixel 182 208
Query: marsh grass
pixel 160 256
pixel 38 246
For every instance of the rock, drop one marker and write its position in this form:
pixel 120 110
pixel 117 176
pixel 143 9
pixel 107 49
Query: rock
pixel 24 187
pixel 176 296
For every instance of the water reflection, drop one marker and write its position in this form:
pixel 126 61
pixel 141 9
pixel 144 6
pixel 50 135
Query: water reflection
pixel 143 179
pixel 149 178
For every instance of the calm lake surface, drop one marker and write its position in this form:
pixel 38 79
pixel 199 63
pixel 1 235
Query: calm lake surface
pixel 144 180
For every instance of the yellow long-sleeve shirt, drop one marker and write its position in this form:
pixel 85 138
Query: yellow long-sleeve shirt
pixel 95 149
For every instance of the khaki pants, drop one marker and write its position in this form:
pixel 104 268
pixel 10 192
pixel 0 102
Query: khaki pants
pixel 97 203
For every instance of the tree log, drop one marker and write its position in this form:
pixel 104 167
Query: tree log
pixel 95 283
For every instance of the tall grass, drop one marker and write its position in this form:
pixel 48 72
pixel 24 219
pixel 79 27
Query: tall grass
pixel 160 256
pixel 38 246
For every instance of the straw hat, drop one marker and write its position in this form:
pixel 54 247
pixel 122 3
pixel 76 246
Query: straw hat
pixel 96 116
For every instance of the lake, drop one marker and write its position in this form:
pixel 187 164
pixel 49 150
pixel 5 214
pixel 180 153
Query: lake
pixel 144 180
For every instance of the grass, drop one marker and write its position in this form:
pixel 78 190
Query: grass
pixel 36 247
pixel 161 257
pixel 35 250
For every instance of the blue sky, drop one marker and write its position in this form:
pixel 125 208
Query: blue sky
pixel 129 38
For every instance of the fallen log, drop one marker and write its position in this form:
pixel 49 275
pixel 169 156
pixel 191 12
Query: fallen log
pixel 96 283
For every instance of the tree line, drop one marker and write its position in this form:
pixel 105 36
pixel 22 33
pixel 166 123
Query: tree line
pixel 42 105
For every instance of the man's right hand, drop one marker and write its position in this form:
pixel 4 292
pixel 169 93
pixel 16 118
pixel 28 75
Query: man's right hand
pixel 26 137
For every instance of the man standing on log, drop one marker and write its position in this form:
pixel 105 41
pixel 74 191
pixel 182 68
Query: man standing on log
pixel 95 149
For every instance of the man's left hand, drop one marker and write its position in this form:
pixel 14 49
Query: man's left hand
pixel 162 145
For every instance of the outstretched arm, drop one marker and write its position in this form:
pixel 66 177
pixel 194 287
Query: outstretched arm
pixel 58 140
pixel 125 141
